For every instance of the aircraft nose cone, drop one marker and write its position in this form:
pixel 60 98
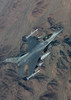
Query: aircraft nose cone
pixel 59 31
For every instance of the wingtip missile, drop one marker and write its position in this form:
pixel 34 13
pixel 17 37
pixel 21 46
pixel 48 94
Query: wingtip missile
pixel 31 33
pixel 33 74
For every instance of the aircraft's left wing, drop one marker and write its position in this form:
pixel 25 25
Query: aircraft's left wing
pixel 33 62
pixel 32 42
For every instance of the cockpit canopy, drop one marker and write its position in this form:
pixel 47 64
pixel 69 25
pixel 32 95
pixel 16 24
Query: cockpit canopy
pixel 47 37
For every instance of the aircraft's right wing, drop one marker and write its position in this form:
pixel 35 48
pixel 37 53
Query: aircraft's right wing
pixel 32 42
pixel 21 69
pixel 31 65
pixel 33 62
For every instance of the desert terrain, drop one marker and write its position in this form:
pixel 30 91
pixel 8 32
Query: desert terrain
pixel 19 18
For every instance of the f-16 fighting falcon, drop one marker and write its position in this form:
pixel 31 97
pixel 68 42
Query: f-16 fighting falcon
pixel 31 58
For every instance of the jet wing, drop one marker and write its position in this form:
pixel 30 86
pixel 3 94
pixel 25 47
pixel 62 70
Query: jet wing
pixel 33 62
pixel 32 42
pixel 21 69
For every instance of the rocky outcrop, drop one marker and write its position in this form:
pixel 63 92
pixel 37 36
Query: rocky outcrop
pixel 51 93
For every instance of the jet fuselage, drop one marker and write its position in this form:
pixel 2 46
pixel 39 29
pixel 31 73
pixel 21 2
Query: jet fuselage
pixel 38 48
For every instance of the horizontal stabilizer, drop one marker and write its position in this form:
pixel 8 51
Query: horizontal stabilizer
pixel 12 60
pixel 15 59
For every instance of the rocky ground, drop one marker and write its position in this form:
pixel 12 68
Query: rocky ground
pixel 19 18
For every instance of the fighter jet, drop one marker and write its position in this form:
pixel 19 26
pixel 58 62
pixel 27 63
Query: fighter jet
pixel 34 50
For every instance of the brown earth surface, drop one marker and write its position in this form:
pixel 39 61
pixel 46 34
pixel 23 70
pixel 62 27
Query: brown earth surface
pixel 19 18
